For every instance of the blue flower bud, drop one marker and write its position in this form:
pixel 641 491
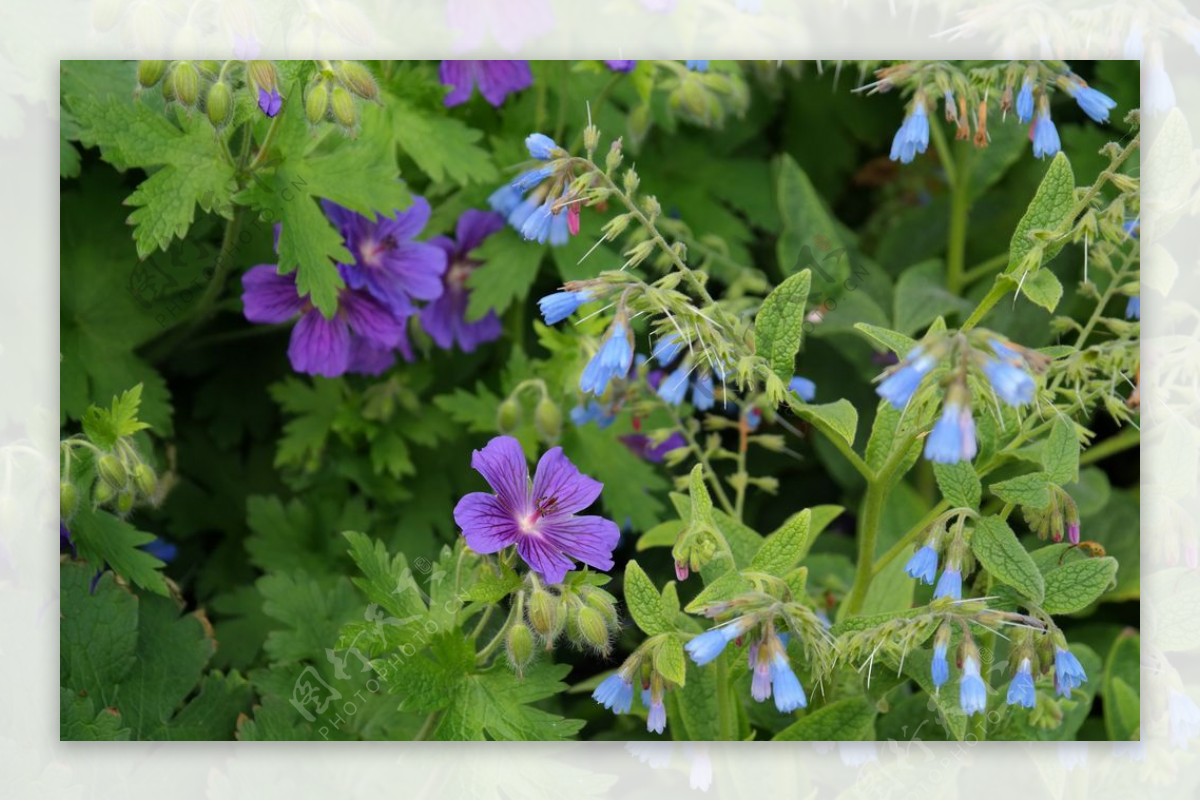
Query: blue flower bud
pixel 541 146
pixel 923 564
pixel 1094 103
pixel 952 439
pixel 803 387
pixel 1021 691
pixel 706 647
pixel 615 693
pixel 1025 101
pixel 559 306
pixel 1068 673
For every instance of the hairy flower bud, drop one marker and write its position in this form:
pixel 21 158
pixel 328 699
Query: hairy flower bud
pixel 603 603
pixel 219 104
pixel 518 645
pixel 102 494
pixel 358 79
pixel 185 81
pixel 508 416
pixel 149 73
pixel 593 630
pixel 112 472
pixel 263 75
pixel 145 480
pixel 547 417
pixel 341 102
pixel 316 102
pixel 125 502
pixel 68 499
pixel 614 157
pixel 543 615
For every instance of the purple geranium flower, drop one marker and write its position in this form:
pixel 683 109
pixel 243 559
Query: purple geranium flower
pixel 643 446
pixel 355 339
pixel 270 102
pixel 387 263
pixel 445 319
pixel 620 65
pixel 539 519
pixel 494 78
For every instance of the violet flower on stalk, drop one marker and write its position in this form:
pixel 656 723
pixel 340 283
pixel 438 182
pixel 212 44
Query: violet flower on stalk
pixel 540 518
pixel 495 79
pixel 445 319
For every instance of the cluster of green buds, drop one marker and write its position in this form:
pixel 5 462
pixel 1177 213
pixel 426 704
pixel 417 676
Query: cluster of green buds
pixel 547 417
pixel 695 93
pixel 585 614
pixel 118 477
pixel 335 91
pixel 210 86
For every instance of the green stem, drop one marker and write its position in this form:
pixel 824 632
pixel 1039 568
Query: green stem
pixel 713 479
pixel 984 268
pixel 843 447
pixel 909 536
pixel 740 489
pixel 997 291
pixel 868 530
pixel 1122 441
pixel 960 212
pixel 268 140
pixel 428 726
pixel 945 154
pixel 726 714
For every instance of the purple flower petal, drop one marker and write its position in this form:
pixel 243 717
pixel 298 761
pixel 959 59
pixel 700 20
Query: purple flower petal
pixel 320 346
pixel 370 358
pixel 417 268
pixel 474 226
pixel 559 488
pixel 268 297
pixel 497 79
pixel 371 319
pixel 460 76
pixel 544 558
pixel 502 463
pixel 587 538
pixel 406 224
pixel 485 523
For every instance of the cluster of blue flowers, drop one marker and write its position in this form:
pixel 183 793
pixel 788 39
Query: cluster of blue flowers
pixel 913 136
pixel 923 567
pixel 772 673
pixel 952 438
pixel 528 202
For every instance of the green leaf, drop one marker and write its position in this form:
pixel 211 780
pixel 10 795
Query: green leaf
pixel 702 505
pixel 314 406
pixel 442 146
pixel 779 325
pixel 97 633
pixel 959 484
pixel 105 426
pixel 806 219
pixel 669 661
pixel 186 162
pixel 847 719
pixel 386 580
pixel 921 297
pixel 1119 687
pixel 1001 554
pixel 363 178
pixel 840 416
pixel 79 719
pixel 783 549
pixel 725 588
pixel 644 602
pixel 1060 453
pixel 1076 585
pixel 1031 489
pixel 663 535
pixel 508 267
pixel 104 540
pixel 894 341
pixel 1050 208
pixel 497 705
pixel 1044 289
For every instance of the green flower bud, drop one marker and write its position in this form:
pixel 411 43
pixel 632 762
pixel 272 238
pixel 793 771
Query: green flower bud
pixel 547 417
pixel 112 472
pixel 518 644
pixel 603 603
pixel 593 630
pixel 316 102
pixel 209 69
pixel 150 73
pixel 358 79
pixel 263 75
pixel 508 416
pixel 168 90
pixel 186 83
pixel 219 104
pixel 68 499
pixel 345 112
pixel 543 615
pixel 146 481
pixel 125 502
pixel 102 494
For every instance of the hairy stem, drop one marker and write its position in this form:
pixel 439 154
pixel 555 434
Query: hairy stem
pixel 868 530
pixel 960 211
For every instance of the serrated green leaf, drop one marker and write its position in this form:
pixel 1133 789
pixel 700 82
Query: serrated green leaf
pixel 1076 585
pixel 497 705
pixel 784 547
pixel 669 661
pixel 1031 489
pixel 959 484
pixel 644 602
pixel 79 719
pixel 386 581
pixel 846 719
pixel 894 341
pixel 1050 207
pixel 1060 452
pixel 97 633
pixel 508 267
pixel 442 146
pixel 363 178
pixel 1001 554
pixel 108 541
pixel 840 416
pixel 779 325
pixel 633 487
pixel 105 426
